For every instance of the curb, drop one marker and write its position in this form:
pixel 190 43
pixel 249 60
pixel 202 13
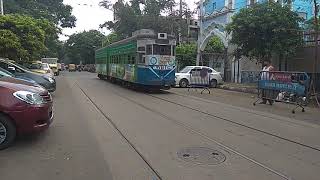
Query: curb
pixel 237 89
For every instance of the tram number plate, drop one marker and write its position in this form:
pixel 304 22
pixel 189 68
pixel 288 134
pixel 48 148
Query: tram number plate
pixel 162 67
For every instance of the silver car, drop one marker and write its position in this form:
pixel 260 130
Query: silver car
pixel 183 77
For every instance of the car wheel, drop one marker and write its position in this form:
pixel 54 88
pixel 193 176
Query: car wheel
pixel 183 83
pixel 213 83
pixel 7 132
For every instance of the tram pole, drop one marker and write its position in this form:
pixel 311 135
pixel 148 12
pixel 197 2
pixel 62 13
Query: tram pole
pixel 1 7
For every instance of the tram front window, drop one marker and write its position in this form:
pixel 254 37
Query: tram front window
pixel 162 49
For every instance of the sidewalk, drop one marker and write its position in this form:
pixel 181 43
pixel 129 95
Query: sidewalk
pixel 246 88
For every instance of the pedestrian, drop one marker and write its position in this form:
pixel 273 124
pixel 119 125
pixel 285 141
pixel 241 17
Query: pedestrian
pixel 267 95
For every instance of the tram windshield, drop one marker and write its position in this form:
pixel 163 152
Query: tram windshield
pixel 162 49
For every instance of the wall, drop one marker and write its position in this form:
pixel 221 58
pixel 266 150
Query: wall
pixel 303 61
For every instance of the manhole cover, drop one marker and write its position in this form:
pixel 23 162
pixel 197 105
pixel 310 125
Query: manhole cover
pixel 201 155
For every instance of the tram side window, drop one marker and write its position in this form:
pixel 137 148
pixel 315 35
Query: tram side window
pixel 161 49
pixel 173 50
pixel 141 48
pixel 149 49
pixel 131 59
pixel 141 58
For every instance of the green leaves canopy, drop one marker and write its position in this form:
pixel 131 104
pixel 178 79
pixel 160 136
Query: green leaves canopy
pixel 53 10
pixel 186 54
pixel 23 37
pixel 266 29
pixel 82 46
pixel 129 17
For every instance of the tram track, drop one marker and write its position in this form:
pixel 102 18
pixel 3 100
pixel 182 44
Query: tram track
pixel 192 130
pixel 113 124
pixel 234 122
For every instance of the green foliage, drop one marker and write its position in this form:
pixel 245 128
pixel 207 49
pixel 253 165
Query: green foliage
pixel 111 38
pixel 82 46
pixel 25 37
pixel 310 24
pixel 215 45
pixel 266 29
pixel 53 10
pixel 129 17
pixel 186 54
pixel 10 45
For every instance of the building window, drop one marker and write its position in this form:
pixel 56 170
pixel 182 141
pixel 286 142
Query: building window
pixel 214 6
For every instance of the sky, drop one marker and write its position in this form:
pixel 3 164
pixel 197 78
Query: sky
pixel 90 15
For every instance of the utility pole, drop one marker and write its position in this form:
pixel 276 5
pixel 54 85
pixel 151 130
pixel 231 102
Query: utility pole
pixel 315 64
pixel 180 21
pixel 1 7
pixel 199 33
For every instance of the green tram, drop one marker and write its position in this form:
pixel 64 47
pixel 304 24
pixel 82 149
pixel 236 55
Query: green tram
pixel 146 59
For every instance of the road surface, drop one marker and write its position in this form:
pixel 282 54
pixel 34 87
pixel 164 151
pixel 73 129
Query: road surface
pixel 103 131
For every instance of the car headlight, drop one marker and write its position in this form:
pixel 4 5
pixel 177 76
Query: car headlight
pixel 29 97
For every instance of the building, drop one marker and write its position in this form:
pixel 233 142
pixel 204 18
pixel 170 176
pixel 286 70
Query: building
pixel 215 14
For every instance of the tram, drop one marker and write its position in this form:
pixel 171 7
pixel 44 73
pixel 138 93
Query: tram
pixel 146 59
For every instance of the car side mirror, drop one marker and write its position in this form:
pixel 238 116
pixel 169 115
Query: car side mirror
pixel 11 69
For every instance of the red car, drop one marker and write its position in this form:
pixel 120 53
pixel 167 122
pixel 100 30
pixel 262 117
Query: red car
pixel 24 108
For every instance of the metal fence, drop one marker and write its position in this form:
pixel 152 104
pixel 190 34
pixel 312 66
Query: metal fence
pixel 287 87
pixel 200 78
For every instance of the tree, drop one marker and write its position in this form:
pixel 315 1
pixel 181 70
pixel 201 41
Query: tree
pixel 266 29
pixel 23 37
pixel 129 17
pixel 10 45
pixel 186 54
pixel 53 10
pixel 82 46
pixel 111 38
pixel 215 45
pixel 310 25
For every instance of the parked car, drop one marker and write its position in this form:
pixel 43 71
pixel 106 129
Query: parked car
pixel 24 109
pixel 46 67
pixel 6 73
pixel 53 63
pixel 183 77
pixel 39 67
pixel 21 72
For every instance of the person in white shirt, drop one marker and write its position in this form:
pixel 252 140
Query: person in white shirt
pixel 266 75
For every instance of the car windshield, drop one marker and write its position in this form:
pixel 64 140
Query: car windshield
pixel 186 69
pixel 45 66
pixel 34 66
pixel 21 67
pixel 4 72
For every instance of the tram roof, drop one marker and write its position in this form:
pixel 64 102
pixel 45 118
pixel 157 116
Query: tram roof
pixel 136 37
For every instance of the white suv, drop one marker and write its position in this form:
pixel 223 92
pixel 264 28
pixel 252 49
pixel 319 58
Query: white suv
pixel 183 77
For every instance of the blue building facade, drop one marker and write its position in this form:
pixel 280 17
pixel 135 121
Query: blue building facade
pixel 217 13
pixel 221 9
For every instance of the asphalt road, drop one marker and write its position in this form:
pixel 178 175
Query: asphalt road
pixel 103 131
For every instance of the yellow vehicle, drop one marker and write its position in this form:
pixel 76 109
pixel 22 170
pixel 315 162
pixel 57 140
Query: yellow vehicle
pixel 39 67
pixel 72 67
pixel 53 63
